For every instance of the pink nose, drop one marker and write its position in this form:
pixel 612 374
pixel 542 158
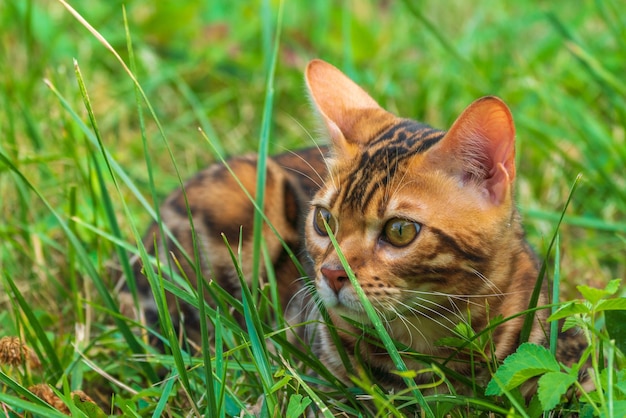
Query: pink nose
pixel 336 279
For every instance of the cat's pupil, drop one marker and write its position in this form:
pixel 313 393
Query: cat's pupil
pixel 400 232
pixel 323 215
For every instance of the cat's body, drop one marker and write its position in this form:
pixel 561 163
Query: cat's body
pixel 425 219
pixel 219 206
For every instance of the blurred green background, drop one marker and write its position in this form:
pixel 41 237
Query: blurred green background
pixel 559 65
pixel 560 68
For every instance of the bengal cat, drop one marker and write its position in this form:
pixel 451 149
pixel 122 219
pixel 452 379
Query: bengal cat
pixel 425 219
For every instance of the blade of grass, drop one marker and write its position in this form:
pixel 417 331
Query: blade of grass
pixel 198 111
pixel 335 337
pixel 153 114
pixel 164 396
pixel 220 367
pixel 28 405
pixel 100 285
pixel 556 286
pixel 378 326
pixel 161 304
pixel 156 283
pixel 255 332
pixel 211 407
pixel 274 290
pixel 263 155
pixel 40 334
pixel 210 391
pixel 578 221
pixel 121 254
pixel 91 272
pixel 22 391
pixel 534 298
pixel 321 406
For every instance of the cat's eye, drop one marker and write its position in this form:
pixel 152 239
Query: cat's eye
pixel 320 216
pixel 400 232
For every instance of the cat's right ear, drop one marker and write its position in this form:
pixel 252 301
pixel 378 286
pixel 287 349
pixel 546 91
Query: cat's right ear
pixel 346 109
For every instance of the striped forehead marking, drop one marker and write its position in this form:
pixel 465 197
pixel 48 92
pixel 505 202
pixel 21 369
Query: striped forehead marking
pixel 380 161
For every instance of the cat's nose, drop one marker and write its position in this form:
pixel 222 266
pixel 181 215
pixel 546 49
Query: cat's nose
pixel 336 279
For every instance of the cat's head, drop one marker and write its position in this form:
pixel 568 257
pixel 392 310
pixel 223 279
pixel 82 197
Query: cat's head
pixel 418 213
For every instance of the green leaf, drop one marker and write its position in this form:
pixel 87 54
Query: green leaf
pixel 27 405
pixel 587 411
pixel 89 408
pixel 615 321
pixel 528 361
pixel 592 294
pixel 297 406
pixel 613 286
pixel 573 321
pixel 616 304
pixel 618 410
pixel 552 386
pixel 569 309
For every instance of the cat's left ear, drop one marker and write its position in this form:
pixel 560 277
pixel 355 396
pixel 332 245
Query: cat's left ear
pixel 482 141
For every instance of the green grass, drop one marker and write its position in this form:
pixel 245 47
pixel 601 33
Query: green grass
pixel 86 155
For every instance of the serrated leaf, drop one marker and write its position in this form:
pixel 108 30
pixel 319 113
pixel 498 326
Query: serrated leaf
pixel 569 309
pixel 592 294
pixel 615 304
pixel 464 330
pixel 528 361
pixel 571 322
pixel 613 286
pixel 551 387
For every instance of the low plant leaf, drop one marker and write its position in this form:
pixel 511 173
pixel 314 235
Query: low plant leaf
pixel 613 286
pixel 297 405
pixel 528 361
pixel 616 326
pixel 618 410
pixel 551 387
pixel 615 304
pixel 573 321
pixel 592 294
pixel 89 408
pixel 569 309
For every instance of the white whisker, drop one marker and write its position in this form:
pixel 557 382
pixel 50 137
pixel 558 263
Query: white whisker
pixel 435 312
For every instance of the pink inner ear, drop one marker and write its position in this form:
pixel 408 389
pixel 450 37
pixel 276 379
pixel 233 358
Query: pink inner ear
pixel 342 104
pixel 482 140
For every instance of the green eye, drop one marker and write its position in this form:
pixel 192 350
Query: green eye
pixel 400 232
pixel 321 215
